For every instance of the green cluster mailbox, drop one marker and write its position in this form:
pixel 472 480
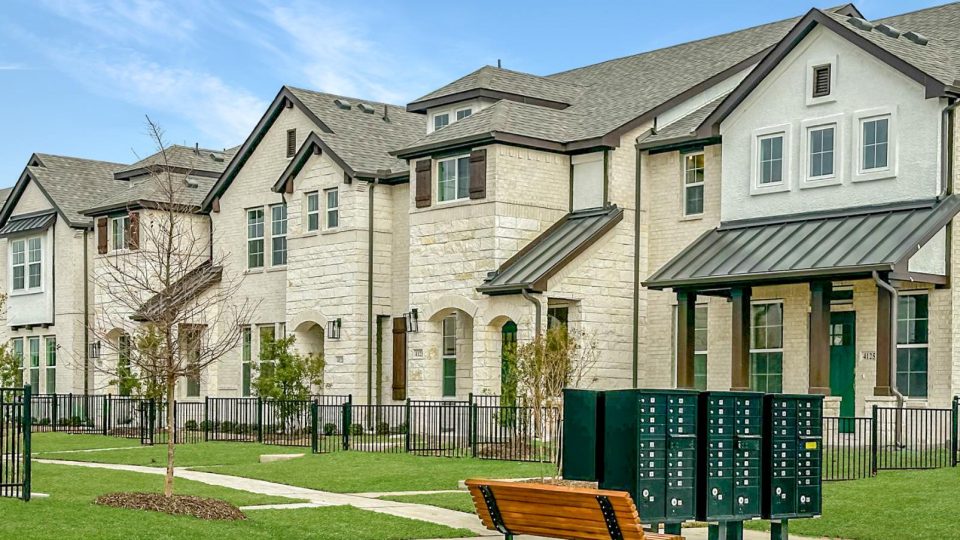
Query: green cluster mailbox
pixel 792 456
pixel 582 445
pixel 650 450
pixel 731 444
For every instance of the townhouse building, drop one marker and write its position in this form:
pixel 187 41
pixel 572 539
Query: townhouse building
pixel 767 209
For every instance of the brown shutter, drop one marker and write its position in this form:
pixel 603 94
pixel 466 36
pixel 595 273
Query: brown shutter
pixel 424 182
pixel 399 358
pixel 478 174
pixel 291 142
pixel 133 235
pixel 101 235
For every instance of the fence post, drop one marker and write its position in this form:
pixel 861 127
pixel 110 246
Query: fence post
pixel 206 419
pixel 259 419
pixel 472 437
pixel 954 413
pixel 106 414
pixel 27 429
pixel 873 442
pixel 314 414
pixel 53 412
pixel 406 414
pixel 347 414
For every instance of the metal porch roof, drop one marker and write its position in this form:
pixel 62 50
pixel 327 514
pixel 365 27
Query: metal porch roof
pixel 28 223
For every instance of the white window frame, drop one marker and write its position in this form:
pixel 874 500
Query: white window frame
pixel 274 235
pixel 433 120
pixel 817 62
pixel 456 113
pixel 687 185
pixel 457 179
pixel 123 222
pixel 444 357
pixel 314 213
pixel 926 345
pixel 785 131
pixel 327 209
pixel 859 118
pixel 783 332
pixel 806 128
pixel 252 239
pixel 26 265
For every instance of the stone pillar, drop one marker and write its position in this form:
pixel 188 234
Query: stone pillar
pixel 740 338
pixel 686 316
pixel 819 344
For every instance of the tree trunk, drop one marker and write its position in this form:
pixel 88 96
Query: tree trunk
pixel 171 432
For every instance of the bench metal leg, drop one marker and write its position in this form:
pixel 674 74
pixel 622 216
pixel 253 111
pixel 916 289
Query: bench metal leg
pixel 779 530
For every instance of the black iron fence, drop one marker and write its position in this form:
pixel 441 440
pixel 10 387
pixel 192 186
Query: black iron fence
pixel 15 428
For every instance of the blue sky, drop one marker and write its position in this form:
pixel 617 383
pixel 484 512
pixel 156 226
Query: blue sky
pixel 78 76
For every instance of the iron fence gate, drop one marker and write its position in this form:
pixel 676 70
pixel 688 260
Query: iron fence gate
pixel 15 420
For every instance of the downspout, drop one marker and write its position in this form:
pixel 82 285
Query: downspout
pixel 946 149
pixel 893 335
pixel 370 186
pixel 86 317
pixel 537 308
pixel 636 272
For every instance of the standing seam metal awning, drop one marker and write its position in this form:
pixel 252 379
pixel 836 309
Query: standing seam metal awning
pixel 836 244
pixel 30 223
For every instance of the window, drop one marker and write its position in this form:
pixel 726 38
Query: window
pixel 700 348
pixel 876 143
pixel 771 159
pixel 278 234
pixel 463 113
pixel 821 81
pixel 125 381
pixel 440 120
pixel 693 184
pixel 291 142
pixel 450 356
pixel 119 227
pixel 246 343
pixel 313 211
pixel 50 343
pixel 453 179
pixel 558 316
pixel 192 334
pixel 912 339
pixel 255 238
pixel 821 152
pixel 34 344
pixel 25 261
pixel 766 347
pixel 17 347
pixel 333 208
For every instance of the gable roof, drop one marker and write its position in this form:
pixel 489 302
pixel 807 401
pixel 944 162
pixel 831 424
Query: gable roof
pixel 499 83
pixel 150 193
pixel 70 184
pixel 842 244
pixel 934 64
pixel 361 140
pixel 188 287
pixel 197 161
pixel 618 95
pixel 683 130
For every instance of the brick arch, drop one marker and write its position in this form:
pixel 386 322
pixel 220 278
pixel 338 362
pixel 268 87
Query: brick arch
pixel 451 301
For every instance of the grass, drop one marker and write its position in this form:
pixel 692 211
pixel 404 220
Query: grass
pixel 60 442
pixel 69 513
pixel 916 504
pixel 461 502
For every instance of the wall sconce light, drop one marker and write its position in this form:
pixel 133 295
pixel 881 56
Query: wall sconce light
pixel 412 321
pixel 94 350
pixel 333 328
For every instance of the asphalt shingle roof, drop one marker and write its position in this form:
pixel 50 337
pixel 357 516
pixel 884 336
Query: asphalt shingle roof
pixel 188 191
pixel 514 82
pixel 184 157
pixel 685 126
pixel 363 139
pixel 74 183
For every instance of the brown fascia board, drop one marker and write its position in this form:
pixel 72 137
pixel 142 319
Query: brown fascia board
pixel 314 145
pixel 284 98
pixel 711 125
pixel 422 106
pixel 490 137
pixel 17 191
pixel 159 168
pixel 139 204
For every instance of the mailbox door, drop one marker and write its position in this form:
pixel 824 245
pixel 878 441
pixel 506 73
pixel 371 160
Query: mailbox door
pixel 582 434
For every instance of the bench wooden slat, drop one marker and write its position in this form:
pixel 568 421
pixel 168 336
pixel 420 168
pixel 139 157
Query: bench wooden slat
pixel 586 503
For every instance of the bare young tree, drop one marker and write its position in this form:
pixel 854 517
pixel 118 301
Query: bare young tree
pixel 166 306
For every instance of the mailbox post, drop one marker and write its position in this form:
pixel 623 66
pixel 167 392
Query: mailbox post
pixel 792 456
pixel 731 437
pixel 650 450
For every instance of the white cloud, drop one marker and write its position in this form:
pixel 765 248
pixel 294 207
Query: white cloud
pixel 12 67
pixel 140 21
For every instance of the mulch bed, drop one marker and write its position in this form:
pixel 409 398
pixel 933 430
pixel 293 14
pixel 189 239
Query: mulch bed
pixel 561 482
pixel 178 505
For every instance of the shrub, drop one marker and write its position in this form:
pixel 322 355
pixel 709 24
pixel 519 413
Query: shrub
pixel 401 429
pixel 383 428
pixel 125 421
pixel 64 421
pixel 241 429
pixel 329 429
pixel 226 427
pixel 356 429
pixel 76 421
pixel 190 425
pixel 43 422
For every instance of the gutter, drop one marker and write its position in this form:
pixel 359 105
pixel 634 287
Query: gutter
pixel 370 186
pixel 946 149
pixel 635 349
pixel 538 310
pixel 86 316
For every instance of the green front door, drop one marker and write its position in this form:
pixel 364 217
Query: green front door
pixel 843 360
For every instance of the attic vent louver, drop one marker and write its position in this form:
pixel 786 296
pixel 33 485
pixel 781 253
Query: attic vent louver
pixel 888 30
pixel 216 157
pixel 191 183
pixel 366 108
pixel 919 39
pixel 860 23
pixel 343 104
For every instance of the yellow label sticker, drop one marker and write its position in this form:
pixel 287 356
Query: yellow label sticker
pixel 811 445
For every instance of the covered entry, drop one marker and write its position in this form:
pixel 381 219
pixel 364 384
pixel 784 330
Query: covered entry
pixel 887 245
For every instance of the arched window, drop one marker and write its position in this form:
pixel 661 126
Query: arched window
pixel 508 364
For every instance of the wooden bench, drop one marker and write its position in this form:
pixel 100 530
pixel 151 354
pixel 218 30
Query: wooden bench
pixel 558 512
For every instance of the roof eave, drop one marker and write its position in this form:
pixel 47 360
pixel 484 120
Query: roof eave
pixel 421 106
pixel 767 278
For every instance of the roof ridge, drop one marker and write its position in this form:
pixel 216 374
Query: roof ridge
pixel 351 98
pixel 74 158
pixel 928 8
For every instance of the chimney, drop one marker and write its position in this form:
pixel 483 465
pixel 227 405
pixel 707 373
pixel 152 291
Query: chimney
pixel 196 148
pixel 386 114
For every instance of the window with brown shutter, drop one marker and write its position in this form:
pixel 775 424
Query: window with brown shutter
pixel 291 142
pixel 821 81
pixel 133 235
pixel 478 174
pixel 424 180
pixel 101 235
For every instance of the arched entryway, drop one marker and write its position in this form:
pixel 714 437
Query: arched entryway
pixel 508 364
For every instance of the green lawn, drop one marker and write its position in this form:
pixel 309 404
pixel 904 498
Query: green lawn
pixel 59 442
pixel 461 502
pixel 69 513
pixel 914 504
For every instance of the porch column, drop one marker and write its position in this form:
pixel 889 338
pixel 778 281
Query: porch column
pixel 740 339
pixel 886 334
pixel 819 345
pixel 686 316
